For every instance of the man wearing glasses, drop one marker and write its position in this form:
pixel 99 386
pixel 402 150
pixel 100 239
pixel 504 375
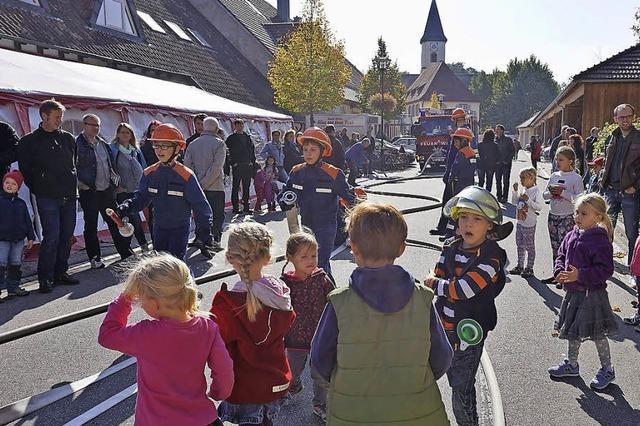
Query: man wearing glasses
pixel 97 182
pixel 621 176
pixel 47 158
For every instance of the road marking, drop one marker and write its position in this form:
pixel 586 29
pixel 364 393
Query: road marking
pixel 23 407
pixel 494 389
pixel 103 406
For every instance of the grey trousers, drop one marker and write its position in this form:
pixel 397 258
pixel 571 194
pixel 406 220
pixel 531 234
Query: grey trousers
pixel 297 362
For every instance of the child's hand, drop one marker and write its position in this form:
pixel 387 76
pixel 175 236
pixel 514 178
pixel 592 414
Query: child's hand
pixel 569 276
pixel 515 186
pixel 431 280
pixel 29 244
pixel 524 197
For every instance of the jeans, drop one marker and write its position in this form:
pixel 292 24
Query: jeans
pixel 488 175
pixel 503 176
pixel 216 201
pixel 250 414
pixel 58 220
pixel 297 362
pixel 462 379
pixel 10 261
pixel 241 175
pixel 627 204
pixel 173 241
pixel 94 203
pixel 134 219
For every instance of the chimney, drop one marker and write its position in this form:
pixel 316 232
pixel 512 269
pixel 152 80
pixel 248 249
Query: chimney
pixel 283 11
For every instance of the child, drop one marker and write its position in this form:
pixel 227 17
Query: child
pixel 594 181
pixel 318 186
pixel 634 271
pixel 468 277
pixel 15 227
pixel 583 266
pixel 174 192
pixel 563 188
pixel 370 327
pixel 254 315
pixel 309 286
pixel 264 183
pixel 528 202
pixel 172 348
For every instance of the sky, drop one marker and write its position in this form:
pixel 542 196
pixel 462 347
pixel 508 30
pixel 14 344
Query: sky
pixel 569 35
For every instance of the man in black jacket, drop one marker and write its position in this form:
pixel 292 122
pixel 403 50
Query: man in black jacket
pixel 8 147
pixel 47 158
pixel 242 158
pixel 554 145
pixel 198 125
pixel 337 150
pixel 506 150
pixel 589 142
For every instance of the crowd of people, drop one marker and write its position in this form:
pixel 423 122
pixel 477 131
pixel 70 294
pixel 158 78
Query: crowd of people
pixel 262 331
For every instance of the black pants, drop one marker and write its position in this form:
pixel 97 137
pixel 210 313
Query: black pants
pixel 503 177
pixel 353 173
pixel 216 201
pixel 534 163
pixel 446 196
pixel 134 219
pixel 92 203
pixel 242 174
pixel 485 176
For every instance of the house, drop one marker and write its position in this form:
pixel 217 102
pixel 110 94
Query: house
pixel 525 130
pixel 588 101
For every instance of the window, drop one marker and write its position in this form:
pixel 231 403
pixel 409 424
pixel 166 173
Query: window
pixel 33 2
pixel 434 57
pixel 115 14
pixel 179 31
pixel 151 22
pixel 198 36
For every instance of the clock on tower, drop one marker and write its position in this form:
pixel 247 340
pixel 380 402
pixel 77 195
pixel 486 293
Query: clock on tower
pixel 434 46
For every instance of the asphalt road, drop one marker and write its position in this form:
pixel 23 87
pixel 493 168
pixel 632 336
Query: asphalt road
pixel 521 348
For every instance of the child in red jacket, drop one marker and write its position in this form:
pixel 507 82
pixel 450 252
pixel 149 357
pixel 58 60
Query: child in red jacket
pixel 309 287
pixel 254 315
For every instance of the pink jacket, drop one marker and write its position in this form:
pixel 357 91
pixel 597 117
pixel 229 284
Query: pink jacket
pixel 172 388
pixel 635 261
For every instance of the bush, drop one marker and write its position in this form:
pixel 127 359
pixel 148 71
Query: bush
pixel 603 136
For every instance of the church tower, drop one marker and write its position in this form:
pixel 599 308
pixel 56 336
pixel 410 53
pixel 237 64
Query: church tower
pixel 433 40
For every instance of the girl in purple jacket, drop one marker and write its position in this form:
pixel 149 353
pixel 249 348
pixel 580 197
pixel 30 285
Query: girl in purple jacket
pixel 583 265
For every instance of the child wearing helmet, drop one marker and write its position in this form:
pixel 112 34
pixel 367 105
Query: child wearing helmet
pixel 318 185
pixel 467 278
pixel 175 193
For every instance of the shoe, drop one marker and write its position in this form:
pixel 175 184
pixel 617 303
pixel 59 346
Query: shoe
pixel 527 273
pixel 247 211
pixel 296 388
pixel 564 369
pixel 66 279
pixel 603 378
pixel 435 231
pixel 321 412
pixel 17 292
pixel 559 286
pixel 634 320
pixel 550 280
pixel 516 271
pixel 443 238
pixel 96 263
pixel 204 249
pixel 46 286
pixel 145 247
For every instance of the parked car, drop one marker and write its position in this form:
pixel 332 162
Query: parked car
pixel 406 141
pixel 395 157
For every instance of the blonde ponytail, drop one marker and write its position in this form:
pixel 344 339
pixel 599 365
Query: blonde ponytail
pixel 599 205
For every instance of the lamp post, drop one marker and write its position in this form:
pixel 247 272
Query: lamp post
pixel 381 63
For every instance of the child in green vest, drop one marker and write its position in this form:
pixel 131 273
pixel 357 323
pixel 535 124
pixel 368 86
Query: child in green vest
pixel 375 334
pixel 468 277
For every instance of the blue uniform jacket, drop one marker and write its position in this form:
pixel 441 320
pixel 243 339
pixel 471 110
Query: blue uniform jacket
pixel 463 169
pixel 357 154
pixel 175 192
pixel 318 187
pixel 452 151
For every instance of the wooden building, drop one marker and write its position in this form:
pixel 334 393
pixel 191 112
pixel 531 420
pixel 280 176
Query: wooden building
pixel 588 101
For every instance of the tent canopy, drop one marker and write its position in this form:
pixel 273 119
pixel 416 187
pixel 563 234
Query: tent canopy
pixel 28 75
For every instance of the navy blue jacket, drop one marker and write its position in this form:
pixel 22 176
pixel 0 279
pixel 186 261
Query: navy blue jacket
pixel 318 187
pixel 357 154
pixel 175 192
pixel 452 151
pixel 86 164
pixel 387 289
pixel 337 154
pixel 463 169
pixel 16 222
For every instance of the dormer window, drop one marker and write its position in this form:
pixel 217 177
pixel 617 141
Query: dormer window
pixel 115 14
pixel 32 2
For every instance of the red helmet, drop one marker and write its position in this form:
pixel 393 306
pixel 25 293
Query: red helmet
pixel 458 113
pixel 463 132
pixel 167 132
pixel 318 136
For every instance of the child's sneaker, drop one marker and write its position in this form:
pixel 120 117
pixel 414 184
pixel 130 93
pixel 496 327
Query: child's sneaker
pixel 603 378
pixel 527 273
pixel 516 271
pixel 97 263
pixel 17 292
pixel 564 369
pixel 634 320
pixel 321 412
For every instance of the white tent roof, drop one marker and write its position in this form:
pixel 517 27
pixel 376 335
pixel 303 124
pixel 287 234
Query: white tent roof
pixel 24 73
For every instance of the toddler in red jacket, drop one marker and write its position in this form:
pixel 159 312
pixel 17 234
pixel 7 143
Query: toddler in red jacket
pixel 171 383
pixel 254 315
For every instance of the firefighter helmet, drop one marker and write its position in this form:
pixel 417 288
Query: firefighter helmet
pixel 167 132
pixel 317 135
pixel 463 132
pixel 457 114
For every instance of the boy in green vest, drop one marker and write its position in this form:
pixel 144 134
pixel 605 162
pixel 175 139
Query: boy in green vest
pixel 379 342
pixel 468 277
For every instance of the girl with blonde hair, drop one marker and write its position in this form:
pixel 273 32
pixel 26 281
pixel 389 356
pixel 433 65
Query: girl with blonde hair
pixel 254 315
pixel 172 348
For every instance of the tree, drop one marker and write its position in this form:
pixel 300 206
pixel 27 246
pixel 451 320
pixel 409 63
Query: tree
pixel 392 86
pixel 389 104
pixel 309 71
pixel 465 74
pixel 434 102
pixel 636 26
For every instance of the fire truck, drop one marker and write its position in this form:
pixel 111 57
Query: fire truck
pixel 432 131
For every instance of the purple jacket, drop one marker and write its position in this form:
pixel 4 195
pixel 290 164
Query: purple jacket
pixel 592 253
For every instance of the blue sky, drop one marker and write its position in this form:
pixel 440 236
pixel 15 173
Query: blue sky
pixel 569 35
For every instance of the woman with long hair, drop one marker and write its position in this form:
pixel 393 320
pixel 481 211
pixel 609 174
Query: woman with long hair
pixel 145 146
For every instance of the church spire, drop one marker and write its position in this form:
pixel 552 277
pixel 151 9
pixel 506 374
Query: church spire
pixel 433 30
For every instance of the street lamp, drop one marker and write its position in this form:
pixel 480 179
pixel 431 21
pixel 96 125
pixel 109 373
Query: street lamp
pixel 381 63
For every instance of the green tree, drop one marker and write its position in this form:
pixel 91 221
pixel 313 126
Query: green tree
pixel 309 72
pixel 636 24
pixel 392 86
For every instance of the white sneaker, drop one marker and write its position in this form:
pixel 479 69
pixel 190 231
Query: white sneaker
pixel 96 263
pixel 145 247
